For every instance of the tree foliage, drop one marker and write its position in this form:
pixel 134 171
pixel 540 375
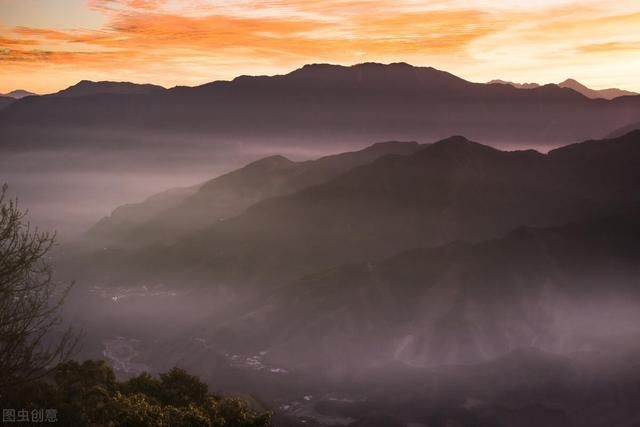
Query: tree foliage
pixel 87 394
pixel 29 300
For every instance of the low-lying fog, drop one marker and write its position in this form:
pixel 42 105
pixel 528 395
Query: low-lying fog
pixel 587 348
pixel 152 325
pixel 69 191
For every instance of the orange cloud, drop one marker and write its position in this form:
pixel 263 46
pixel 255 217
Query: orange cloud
pixel 198 41
pixel 611 47
pixel 163 35
pixel 133 4
pixel 7 42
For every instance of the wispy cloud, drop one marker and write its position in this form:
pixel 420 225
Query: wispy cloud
pixel 195 41
pixel 611 47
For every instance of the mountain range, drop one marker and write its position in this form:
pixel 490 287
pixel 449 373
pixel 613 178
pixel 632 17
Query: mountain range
pixel 180 211
pixel 575 85
pixel 230 230
pixel 473 285
pixel 427 279
pixel 87 88
pixel 308 108
pixel 451 273
pixel 451 190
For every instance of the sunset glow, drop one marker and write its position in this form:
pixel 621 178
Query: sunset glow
pixel 50 44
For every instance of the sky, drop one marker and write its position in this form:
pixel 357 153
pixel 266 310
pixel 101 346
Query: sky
pixel 47 45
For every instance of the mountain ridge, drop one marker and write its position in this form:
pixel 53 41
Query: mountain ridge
pixel 451 190
pixel 229 194
pixel 573 84
pixel 315 104
pixel 88 87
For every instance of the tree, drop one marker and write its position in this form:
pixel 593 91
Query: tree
pixel 84 391
pixel 146 384
pixel 180 389
pixel 29 300
pixel 88 394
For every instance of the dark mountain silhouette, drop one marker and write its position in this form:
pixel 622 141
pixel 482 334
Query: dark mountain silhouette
pixel 19 93
pixel 574 85
pixel 595 93
pixel 316 104
pixel 87 87
pixel 180 211
pixel 451 190
pixel 5 101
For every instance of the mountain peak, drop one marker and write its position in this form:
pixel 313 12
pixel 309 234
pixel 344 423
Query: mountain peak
pixel 398 76
pixel 456 139
pixel 572 83
pixel 458 145
pixel 314 67
pixel 271 162
pixel 379 65
pixel 595 93
pixel 19 93
pixel 370 67
pixel 89 87
pixel 459 141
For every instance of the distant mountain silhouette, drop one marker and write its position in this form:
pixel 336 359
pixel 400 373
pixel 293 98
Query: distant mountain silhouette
pixel 574 85
pixel 86 87
pixel 312 106
pixel 180 211
pixel 516 85
pixel 595 93
pixel 451 190
pixel 19 93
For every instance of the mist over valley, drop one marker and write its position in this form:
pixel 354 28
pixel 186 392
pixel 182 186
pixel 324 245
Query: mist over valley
pixel 374 245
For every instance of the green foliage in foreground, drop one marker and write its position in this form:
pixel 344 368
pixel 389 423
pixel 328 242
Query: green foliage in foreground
pixel 87 394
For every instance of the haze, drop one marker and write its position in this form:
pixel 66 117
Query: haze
pixel 365 213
